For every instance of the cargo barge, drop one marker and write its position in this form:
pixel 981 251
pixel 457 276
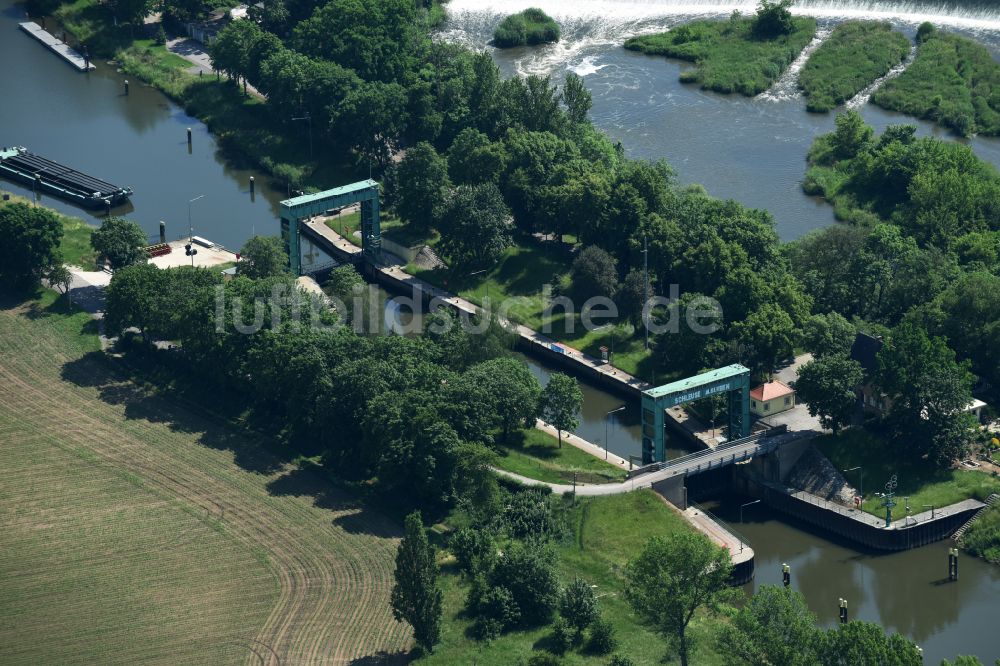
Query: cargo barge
pixel 48 176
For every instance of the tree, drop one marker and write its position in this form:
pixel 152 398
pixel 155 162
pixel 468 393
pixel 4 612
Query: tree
pixel 512 392
pixel 30 247
pixel 134 299
pixel 866 644
pixel 60 277
pixel 929 390
pixel 594 273
pixel 827 334
pixel 528 570
pixel 851 136
pixel 560 403
pixel 475 227
pixel 262 257
pixel 120 242
pixel 775 627
pixel 423 182
pixel 578 605
pixel 473 158
pixel 671 579
pixel 773 19
pixel 829 386
pixel 132 11
pixel 474 549
pixel 602 637
pixel 770 332
pixel 631 296
pixel 416 598
pixel 577 98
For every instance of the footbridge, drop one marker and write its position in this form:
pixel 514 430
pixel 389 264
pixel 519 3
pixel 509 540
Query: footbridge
pixel 662 477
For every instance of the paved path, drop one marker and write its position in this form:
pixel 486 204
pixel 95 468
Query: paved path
pixel 194 52
pixel 583 445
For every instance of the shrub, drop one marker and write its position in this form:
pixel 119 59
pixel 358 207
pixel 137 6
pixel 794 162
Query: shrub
pixel 578 605
pixel 474 549
pixel 773 19
pixel 530 27
pixel 602 637
pixel 620 660
pixel 544 659
pixel 561 637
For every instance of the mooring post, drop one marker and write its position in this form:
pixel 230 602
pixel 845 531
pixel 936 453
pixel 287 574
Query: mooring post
pixel 163 231
pixel 251 186
pixel 786 575
pixel 953 564
pixel 126 87
pixel 843 611
pixel 189 136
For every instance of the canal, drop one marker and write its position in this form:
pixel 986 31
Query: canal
pixel 86 122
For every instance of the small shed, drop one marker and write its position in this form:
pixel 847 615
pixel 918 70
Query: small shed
pixel 771 398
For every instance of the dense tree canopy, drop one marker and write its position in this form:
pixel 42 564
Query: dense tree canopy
pixel 31 244
pixel 120 242
pixel 262 257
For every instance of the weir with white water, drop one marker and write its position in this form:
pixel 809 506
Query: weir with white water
pixel 751 150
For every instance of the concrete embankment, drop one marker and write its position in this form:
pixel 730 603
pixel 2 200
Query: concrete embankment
pixel 856 525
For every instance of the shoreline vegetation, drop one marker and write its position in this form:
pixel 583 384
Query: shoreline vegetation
pixel 531 27
pixel 954 81
pixel 856 54
pixel 730 55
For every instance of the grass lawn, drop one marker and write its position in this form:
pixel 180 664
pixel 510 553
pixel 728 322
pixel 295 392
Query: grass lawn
pixel 75 245
pixel 954 81
pixel 855 54
pixel 922 484
pixel 728 56
pixel 536 455
pixel 607 531
pixel 392 228
pixel 516 289
pixel 129 513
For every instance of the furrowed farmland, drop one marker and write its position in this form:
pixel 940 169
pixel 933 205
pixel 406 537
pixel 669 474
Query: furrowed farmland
pixel 137 529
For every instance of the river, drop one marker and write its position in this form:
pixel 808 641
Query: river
pixel 748 149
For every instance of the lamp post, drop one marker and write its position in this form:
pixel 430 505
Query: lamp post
pixel 861 485
pixel 191 226
pixel 757 501
pixel 308 119
pixel 607 418
pixel 480 272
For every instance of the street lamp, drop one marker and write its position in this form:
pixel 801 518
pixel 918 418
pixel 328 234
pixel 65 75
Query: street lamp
pixel 607 418
pixel 308 119
pixel 480 272
pixel 861 485
pixel 191 227
pixel 747 504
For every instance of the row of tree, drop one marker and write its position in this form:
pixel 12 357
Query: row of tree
pixel 412 412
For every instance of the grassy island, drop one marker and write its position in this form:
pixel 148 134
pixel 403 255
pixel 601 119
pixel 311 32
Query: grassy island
pixel 953 81
pixel 731 56
pixel 855 55
pixel 527 28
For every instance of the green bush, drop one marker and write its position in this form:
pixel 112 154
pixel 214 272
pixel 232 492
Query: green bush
pixel 730 57
pixel 602 637
pixel 528 28
pixel 953 81
pixel 857 53
pixel 983 536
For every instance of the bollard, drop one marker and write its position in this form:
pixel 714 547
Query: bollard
pixel 189 136
pixel 126 86
pixel 251 185
pixel 843 611
pixel 953 564
pixel 786 575
pixel 163 231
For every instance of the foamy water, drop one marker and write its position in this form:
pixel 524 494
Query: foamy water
pixel 787 87
pixel 862 97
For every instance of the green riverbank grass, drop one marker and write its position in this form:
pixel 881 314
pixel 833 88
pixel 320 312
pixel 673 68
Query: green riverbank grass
pixel 607 531
pixel 75 244
pixel 953 81
pixel 855 55
pixel 922 484
pixel 537 455
pixel 728 57
pixel 982 539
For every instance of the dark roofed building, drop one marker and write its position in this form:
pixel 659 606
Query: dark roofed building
pixel 865 351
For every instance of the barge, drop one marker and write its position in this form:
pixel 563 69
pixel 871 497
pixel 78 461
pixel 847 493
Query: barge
pixel 43 174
